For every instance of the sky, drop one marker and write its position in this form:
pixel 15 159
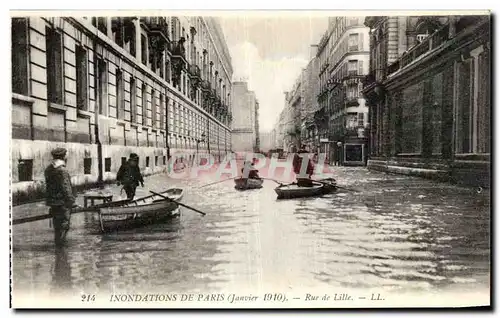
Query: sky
pixel 269 53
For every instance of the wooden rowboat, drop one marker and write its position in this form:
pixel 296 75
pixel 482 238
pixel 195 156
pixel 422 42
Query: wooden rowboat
pixel 245 184
pixel 140 212
pixel 291 191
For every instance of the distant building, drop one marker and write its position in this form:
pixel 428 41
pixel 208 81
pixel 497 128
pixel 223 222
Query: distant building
pixel 245 109
pixel 310 80
pixel 279 130
pixel 266 141
pixel 429 96
pixel 257 128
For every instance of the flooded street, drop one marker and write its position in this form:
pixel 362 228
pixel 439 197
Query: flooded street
pixel 396 233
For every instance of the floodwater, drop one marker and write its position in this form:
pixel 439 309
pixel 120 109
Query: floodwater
pixel 397 233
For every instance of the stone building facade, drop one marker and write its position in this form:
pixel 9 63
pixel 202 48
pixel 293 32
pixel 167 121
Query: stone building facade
pixel 104 87
pixel 245 109
pixel 280 128
pixel 294 114
pixel 429 96
pixel 342 117
pixel 310 103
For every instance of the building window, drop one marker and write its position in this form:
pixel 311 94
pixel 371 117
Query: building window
pixel 19 56
pixel 352 92
pixel 473 104
pixel 144 103
pixel 167 71
pixel 156 161
pixel 118 30
pixel 361 119
pixel 129 34
pixel 144 49
pixel 81 78
pixel 162 69
pixel 120 101
pixel 87 165
pixel 107 164
pixel 54 66
pixel 164 160
pixel 25 170
pixel 133 100
pixel 162 111
pixel 102 25
pixel 353 68
pixel 353 42
pixel 147 161
pixel 101 85
pixel 153 109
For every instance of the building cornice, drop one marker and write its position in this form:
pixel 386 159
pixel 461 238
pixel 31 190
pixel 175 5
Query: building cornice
pixel 217 49
pixel 109 44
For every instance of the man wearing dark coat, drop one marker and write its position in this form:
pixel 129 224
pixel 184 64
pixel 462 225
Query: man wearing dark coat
pixel 298 160
pixel 129 175
pixel 59 195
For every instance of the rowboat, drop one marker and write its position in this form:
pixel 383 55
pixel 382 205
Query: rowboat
pixel 245 184
pixel 291 191
pixel 140 212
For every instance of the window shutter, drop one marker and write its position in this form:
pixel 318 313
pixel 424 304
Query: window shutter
pixel 360 66
pixel 360 42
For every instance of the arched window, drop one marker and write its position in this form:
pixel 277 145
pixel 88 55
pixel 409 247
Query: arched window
pixel 425 27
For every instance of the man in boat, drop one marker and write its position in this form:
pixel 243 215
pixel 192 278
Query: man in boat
pixel 297 166
pixel 252 172
pixel 129 175
pixel 59 195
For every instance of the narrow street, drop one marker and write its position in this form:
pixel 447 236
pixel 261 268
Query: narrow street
pixel 397 233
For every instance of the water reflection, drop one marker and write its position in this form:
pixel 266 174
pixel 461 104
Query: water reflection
pixel 61 276
pixel 396 233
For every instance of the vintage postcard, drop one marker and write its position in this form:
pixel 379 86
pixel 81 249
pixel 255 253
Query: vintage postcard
pixel 250 159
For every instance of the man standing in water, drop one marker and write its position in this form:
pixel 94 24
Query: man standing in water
pixel 59 195
pixel 129 175
pixel 298 160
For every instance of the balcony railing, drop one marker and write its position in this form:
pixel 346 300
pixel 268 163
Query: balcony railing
pixel 206 86
pixel 178 50
pixel 430 43
pixel 393 67
pixel 157 25
pixel 352 101
pixel 194 70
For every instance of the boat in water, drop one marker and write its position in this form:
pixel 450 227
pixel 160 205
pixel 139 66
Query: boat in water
pixel 141 211
pixel 291 191
pixel 246 184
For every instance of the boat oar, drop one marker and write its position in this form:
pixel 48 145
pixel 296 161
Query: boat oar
pixel 326 183
pixel 272 180
pixel 206 185
pixel 181 204
pixel 48 216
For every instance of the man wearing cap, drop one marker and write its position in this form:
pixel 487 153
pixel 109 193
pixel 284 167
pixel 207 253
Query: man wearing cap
pixel 59 195
pixel 129 175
